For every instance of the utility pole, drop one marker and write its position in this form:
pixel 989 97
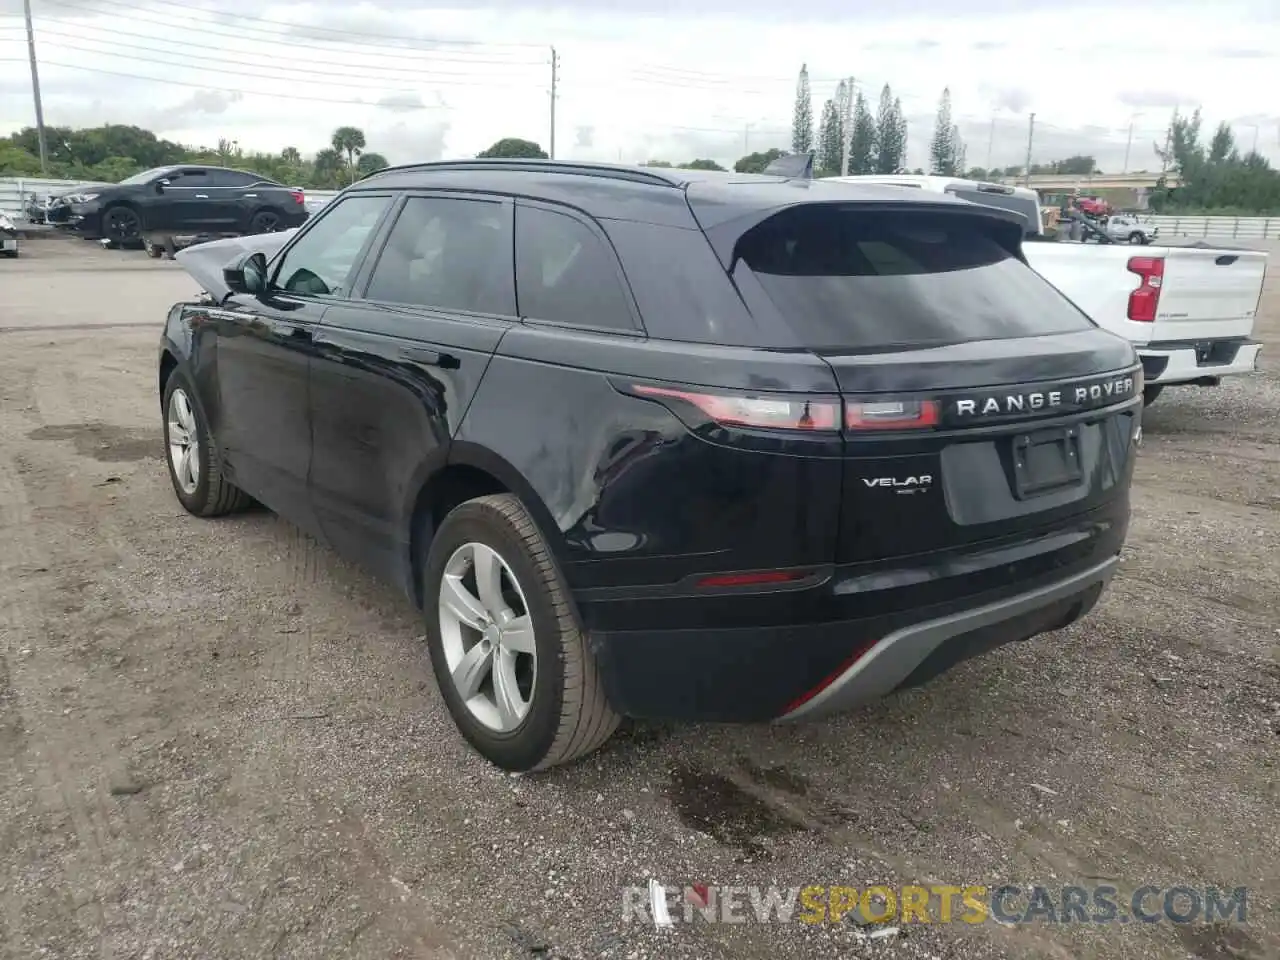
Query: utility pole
pixel 1127 144
pixel 555 81
pixel 1031 133
pixel 35 89
pixel 846 127
pixel 991 139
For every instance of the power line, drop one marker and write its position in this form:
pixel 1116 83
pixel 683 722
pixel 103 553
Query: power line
pixel 290 73
pixel 274 59
pixel 167 81
pixel 251 34
pixel 340 33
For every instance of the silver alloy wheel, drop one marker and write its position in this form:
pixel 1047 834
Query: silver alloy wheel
pixel 487 636
pixel 184 441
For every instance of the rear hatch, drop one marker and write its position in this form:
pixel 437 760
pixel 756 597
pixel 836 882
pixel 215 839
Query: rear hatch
pixel 979 404
pixel 1208 294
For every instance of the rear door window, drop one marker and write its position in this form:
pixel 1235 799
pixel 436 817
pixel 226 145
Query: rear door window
pixel 450 254
pixel 566 273
pixel 846 280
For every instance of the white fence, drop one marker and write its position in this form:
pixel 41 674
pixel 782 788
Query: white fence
pixel 13 192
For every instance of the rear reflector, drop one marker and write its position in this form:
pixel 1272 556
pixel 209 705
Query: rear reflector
pixel 895 415
pixel 1144 300
pixel 774 413
pixel 753 579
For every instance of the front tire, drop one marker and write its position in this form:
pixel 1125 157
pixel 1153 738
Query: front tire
pixel 193 467
pixel 509 655
pixel 1137 238
pixel 1150 393
pixel 121 224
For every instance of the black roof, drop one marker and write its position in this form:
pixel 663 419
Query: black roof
pixel 660 195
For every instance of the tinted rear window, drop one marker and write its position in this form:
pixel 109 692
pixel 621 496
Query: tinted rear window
pixel 848 280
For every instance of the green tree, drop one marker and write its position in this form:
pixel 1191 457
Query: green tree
pixel 513 148
pixel 349 141
pixel 658 163
pixel 291 156
pixel 756 162
pixel 701 165
pixel 891 140
pixel 827 161
pixel 802 116
pixel 371 163
pixel 942 149
pixel 862 147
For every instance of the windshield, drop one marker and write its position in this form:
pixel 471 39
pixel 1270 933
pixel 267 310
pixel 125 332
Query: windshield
pixel 857 281
pixel 146 176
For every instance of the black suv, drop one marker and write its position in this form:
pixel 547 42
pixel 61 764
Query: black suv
pixel 178 201
pixel 665 444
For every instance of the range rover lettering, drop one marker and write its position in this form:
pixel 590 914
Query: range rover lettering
pixel 661 443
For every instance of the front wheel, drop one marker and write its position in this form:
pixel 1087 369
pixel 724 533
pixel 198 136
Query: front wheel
pixel 1150 393
pixel 506 647
pixel 194 469
pixel 121 224
pixel 1137 238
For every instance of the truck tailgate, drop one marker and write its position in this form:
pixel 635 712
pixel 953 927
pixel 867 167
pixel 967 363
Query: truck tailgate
pixel 1208 294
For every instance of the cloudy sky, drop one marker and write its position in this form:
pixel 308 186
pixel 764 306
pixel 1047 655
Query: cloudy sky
pixel 648 79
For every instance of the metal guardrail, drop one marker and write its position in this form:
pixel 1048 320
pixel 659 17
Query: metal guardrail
pixel 13 192
pixel 1218 228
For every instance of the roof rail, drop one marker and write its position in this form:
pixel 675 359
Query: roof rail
pixel 610 171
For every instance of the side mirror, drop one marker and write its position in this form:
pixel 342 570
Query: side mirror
pixel 247 274
pixel 160 185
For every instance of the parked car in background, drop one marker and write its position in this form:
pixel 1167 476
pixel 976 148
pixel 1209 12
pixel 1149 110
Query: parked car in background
pixel 663 443
pixel 1128 228
pixel 181 200
pixel 9 241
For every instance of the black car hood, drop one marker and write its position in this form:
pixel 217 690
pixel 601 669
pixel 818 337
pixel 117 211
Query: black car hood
pixel 206 261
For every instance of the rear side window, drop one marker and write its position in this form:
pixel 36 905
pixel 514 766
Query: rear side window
pixel 449 254
pixel 565 273
pixel 680 287
pixel 846 280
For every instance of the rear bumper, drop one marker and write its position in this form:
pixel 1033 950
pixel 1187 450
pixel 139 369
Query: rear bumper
pixel 762 673
pixel 912 655
pixel 1187 362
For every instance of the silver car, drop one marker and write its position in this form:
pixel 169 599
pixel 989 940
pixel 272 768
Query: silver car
pixel 1129 229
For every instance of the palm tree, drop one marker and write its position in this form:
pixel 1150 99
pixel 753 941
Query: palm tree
pixel 291 156
pixel 349 140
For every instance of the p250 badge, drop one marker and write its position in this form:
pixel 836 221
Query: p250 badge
pixel 900 484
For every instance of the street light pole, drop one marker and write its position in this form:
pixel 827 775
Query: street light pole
pixel 35 88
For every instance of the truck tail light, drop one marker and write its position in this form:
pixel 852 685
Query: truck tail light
pixel 771 413
pixel 299 196
pixel 1146 298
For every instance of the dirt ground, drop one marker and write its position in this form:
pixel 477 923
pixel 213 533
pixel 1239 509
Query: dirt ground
pixel 219 740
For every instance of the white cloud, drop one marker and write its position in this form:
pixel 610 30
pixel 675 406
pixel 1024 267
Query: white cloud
pixel 654 83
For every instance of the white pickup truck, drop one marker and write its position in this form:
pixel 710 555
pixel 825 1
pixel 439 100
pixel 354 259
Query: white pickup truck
pixel 1189 310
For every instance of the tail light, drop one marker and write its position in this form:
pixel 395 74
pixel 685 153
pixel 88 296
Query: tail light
pixel 1144 300
pixel 772 413
pixel 299 196
pixel 895 415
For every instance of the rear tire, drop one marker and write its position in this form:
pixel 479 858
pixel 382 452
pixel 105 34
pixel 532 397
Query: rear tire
pixel 1150 393
pixel 197 478
pixel 264 221
pixel 565 714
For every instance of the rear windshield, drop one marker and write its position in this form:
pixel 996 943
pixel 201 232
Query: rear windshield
pixel 846 280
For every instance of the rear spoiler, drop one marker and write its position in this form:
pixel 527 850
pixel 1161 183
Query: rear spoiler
pixel 795 166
